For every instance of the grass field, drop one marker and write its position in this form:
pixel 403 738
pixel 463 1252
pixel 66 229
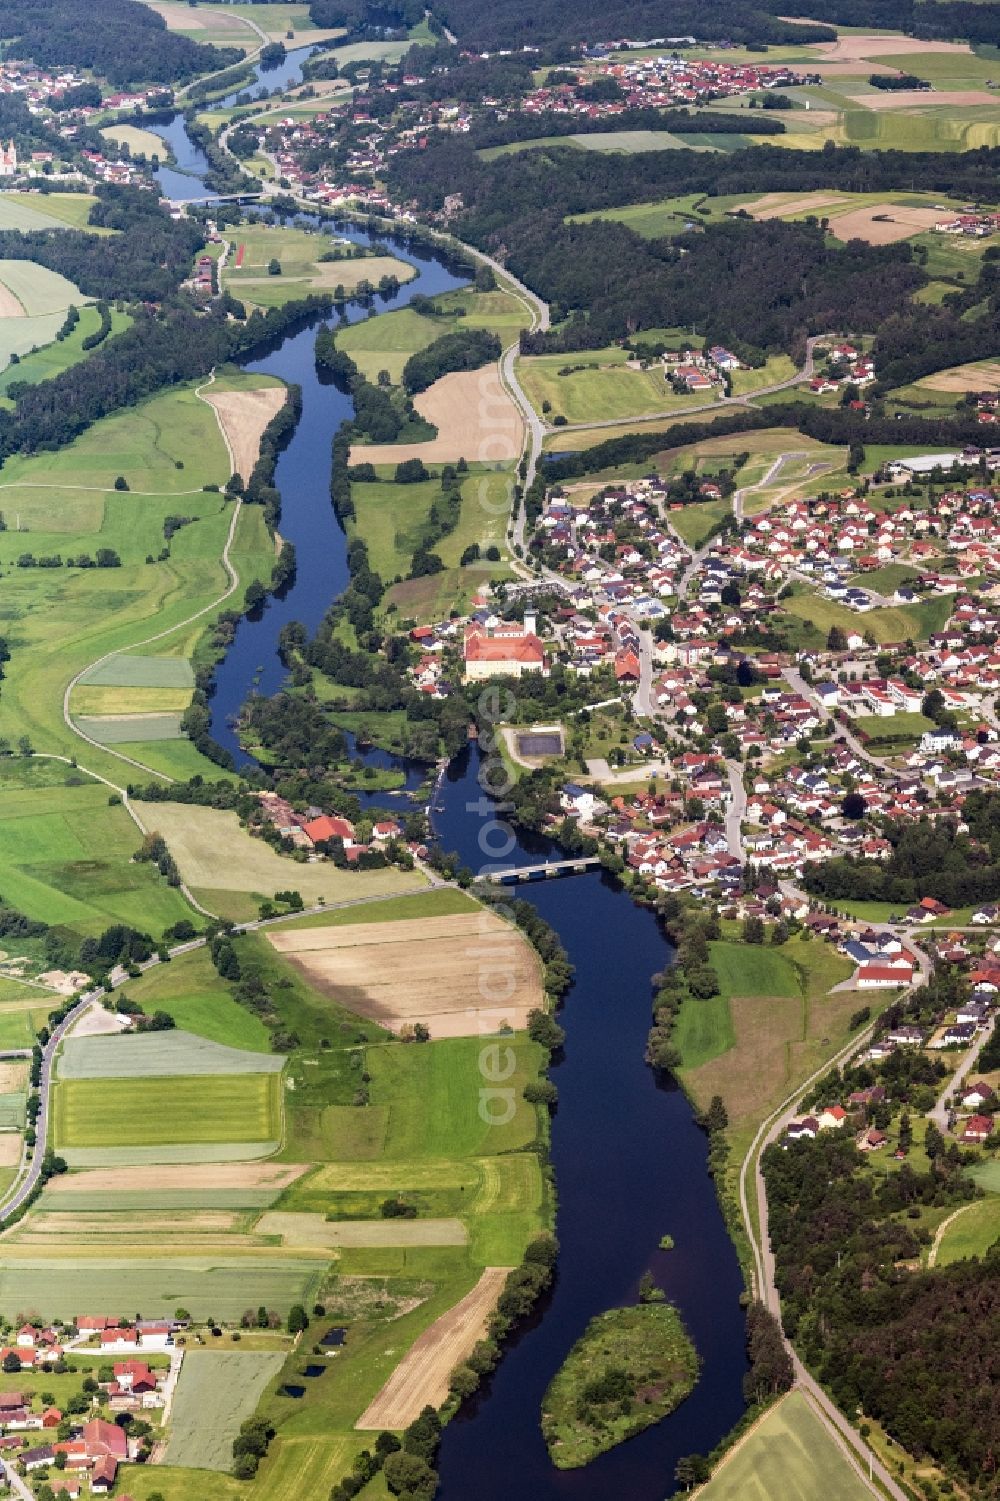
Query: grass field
pixel 33 304
pixel 150 1055
pixel 228 1108
pixel 199 1001
pixel 65 858
pixel 52 358
pixel 205 1286
pixel 788 1454
pixel 393 519
pixel 604 388
pixel 694 523
pixel 897 623
pixel 297 251
pixel 139 142
pixel 972 1231
pixel 216 1391
pixel 772 1023
pixel 214 853
pixel 387 341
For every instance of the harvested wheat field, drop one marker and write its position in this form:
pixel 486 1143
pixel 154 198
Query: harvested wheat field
pixel 898 223
pixel 779 205
pixel 475 416
pixel 461 975
pixel 10 1148
pixel 921 99
pixel 243 416
pixel 422 1374
pixel 985 377
pixel 179 1175
pixel 316 1232
pixel 850 48
pixel 13 1077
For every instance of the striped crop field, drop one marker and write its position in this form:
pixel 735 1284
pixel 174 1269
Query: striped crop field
pixel 156 1055
pixel 153 1111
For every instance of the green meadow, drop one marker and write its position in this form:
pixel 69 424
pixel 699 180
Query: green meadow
pixel 789 1454
pixel 148 1112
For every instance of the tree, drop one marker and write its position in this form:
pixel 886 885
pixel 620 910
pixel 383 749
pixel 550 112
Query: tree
pixel 11 1362
pixel 716 1117
pixel 703 982
pixel 854 806
pixel 836 639
pixel 410 1475
pixel 274 266
pixel 753 930
pixel 463 1381
pixel 298 1319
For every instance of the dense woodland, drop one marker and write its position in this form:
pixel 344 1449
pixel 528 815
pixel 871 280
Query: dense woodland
pixel 558 28
pixel 916 1350
pixel 121 41
pixel 758 286
pixel 928 859
pixel 943 20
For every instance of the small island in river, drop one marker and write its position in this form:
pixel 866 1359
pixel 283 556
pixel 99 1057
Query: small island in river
pixel 630 1368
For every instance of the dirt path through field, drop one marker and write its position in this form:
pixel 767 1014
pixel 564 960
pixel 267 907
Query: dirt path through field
pixel 243 416
pixel 422 1374
pixel 475 417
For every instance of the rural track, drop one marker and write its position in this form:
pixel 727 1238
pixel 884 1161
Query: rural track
pixel 935 1249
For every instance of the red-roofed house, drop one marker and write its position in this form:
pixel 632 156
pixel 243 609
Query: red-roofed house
pixel 323 828
pixel 102 1438
pixel 978 1128
pixel 102 1476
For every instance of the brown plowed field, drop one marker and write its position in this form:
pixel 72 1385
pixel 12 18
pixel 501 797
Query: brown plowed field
pixel 899 223
pixel 422 1374
pixel 244 416
pixel 179 1175
pixel 475 417
pixel 462 975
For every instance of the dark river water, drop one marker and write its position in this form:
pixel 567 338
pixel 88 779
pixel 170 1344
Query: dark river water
pixel 630 1163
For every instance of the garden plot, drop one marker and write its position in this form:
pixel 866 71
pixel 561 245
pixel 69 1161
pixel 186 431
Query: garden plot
pixel 155 1054
pixel 460 975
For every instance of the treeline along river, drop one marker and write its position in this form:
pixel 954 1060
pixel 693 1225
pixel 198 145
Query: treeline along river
pixel 630 1163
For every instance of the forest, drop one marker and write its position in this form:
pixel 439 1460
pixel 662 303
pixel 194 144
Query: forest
pixel 928 859
pixel 519 127
pixel 913 1349
pixel 119 40
pixel 944 20
pixel 557 28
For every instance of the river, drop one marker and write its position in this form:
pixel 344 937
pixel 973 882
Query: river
pixel 630 1163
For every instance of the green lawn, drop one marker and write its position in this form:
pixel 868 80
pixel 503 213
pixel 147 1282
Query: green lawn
pixel 147 1112
pixel 695 522
pixel 298 252
pixel 789 1454
pixel 393 519
pixel 386 342
pixel 898 623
